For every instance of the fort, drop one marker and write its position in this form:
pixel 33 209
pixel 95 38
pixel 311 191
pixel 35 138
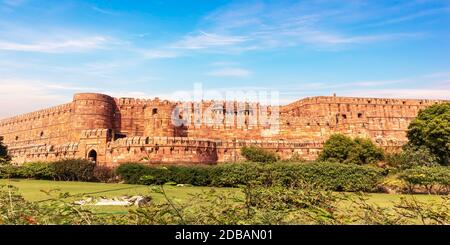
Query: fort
pixel 111 130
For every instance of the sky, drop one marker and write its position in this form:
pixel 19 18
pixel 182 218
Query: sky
pixel 50 50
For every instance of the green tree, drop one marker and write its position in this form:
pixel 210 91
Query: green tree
pixel 343 149
pixel 412 156
pixel 364 151
pixel 431 129
pixel 4 157
pixel 337 148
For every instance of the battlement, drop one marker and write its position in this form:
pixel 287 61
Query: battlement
pixel 114 130
pixel 37 114
pixel 361 101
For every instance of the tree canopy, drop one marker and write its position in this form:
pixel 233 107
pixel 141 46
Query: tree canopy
pixel 431 129
pixel 343 149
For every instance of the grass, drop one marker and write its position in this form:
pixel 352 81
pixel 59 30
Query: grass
pixel 41 190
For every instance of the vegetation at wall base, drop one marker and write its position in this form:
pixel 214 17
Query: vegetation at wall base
pixel 431 129
pixel 257 154
pixel 343 149
pixel 330 176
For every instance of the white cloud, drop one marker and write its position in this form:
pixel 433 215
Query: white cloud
pixel 230 72
pixel 208 40
pixel 55 46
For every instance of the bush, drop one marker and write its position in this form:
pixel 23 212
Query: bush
pixel 342 149
pixel 37 170
pixel 131 172
pixel 103 174
pixel 330 176
pixel 256 154
pixel 74 170
pixel 10 171
pixel 428 178
pixel 412 157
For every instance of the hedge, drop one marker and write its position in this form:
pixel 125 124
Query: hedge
pixel 332 176
pixel 68 170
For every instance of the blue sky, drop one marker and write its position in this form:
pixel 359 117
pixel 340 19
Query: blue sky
pixel 52 49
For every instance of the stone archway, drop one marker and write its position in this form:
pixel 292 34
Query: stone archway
pixel 92 156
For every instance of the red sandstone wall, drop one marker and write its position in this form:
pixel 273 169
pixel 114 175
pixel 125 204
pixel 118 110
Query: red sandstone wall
pixel 92 121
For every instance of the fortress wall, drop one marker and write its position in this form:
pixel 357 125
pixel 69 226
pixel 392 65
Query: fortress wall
pixel 203 151
pixel 383 120
pixel 92 111
pixel 93 122
pixel 48 126
pixel 161 150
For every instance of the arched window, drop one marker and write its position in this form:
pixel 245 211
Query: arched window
pixel 92 156
pixel 41 134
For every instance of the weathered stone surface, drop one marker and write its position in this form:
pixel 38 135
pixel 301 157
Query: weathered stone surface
pixel 115 130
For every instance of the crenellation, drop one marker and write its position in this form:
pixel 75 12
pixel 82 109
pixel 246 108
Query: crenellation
pixel 115 130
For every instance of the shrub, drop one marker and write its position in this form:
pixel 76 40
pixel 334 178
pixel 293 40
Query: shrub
pixel 131 172
pixel 38 170
pixel 332 176
pixel 103 174
pixel 10 171
pixel 428 178
pixel 256 154
pixel 342 149
pixel 74 170
pixel 412 157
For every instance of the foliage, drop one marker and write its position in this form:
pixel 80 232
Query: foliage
pixel 336 148
pixel 412 157
pixel 257 154
pixel 131 172
pixel 330 176
pixel 14 209
pixel 103 174
pixel 74 170
pixel 343 149
pixel 4 157
pixel 364 151
pixel 37 170
pixel 308 204
pixel 431 129
pixel 428 178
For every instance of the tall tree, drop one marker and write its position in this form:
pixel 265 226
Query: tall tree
pixel 431 129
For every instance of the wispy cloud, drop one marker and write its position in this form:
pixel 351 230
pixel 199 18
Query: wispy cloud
pixel 205 40
pixel 55 46
pixel 230 72
pixel 257 26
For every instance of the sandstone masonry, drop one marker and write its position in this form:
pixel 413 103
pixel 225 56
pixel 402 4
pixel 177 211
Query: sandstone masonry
pixel 115 130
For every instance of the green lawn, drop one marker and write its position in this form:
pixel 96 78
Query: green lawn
pixel 35 190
